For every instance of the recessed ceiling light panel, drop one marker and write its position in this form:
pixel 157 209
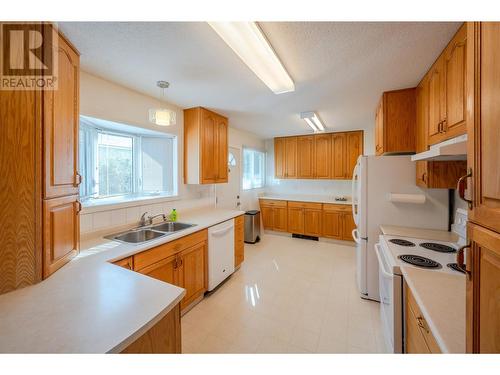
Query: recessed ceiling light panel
pixel 248 41
pixel 313 121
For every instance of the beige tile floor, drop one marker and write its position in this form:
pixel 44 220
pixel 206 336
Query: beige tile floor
pixel 289 296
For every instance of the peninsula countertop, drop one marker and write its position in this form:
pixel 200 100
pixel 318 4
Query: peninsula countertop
pixel 441 298
pixel 305 198
pixel 91 305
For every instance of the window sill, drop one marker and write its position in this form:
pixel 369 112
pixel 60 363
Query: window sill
pixel 114 203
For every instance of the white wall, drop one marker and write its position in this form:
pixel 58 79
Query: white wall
pixel 106 100
pixel 301 186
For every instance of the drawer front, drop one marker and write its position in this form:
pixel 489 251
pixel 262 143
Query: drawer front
pixel 421 323
pixel 308 205
pixel 158 253
pixel 272 202
pixel 337 207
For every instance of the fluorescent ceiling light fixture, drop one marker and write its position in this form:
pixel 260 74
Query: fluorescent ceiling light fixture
pixel 313 121
pixel 247 40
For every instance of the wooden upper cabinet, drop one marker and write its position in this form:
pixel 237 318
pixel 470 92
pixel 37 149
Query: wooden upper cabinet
pixel 482 291
pixel 61 122
pixel 354 145
pixel 205 147
pixel 455 68
pixel 305 156
pixel 483 155
pixel 61 232
pixel 394 122
pixel 279 157
pixel 322 163
pixel 339 155
pixel 291 157
pixel 447 91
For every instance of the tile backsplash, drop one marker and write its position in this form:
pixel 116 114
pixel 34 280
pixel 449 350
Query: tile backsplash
pixel 114 218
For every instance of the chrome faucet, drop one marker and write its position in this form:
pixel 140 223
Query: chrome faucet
pixel 149 220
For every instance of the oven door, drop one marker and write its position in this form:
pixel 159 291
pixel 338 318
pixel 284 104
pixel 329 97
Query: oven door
pixel 391 313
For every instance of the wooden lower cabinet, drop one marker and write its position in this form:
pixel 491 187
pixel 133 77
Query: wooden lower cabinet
pixel 274 214
pixel 181 262
pixel 312 222
pixel 127 263
pixel 239 240
pixel 338 222
pixel 483 291
pixel 163 338
pixel 61 232
pixel 191 273
pixel 419 338
pixel 295 220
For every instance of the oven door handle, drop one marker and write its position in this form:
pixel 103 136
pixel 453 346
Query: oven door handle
pixel 381 262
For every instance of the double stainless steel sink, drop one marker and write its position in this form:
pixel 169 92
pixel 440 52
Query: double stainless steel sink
pixel 151 232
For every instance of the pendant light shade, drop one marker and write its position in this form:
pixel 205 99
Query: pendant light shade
pixel 162 116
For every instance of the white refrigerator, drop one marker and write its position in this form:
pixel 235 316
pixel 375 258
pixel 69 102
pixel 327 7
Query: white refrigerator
pixel 374 179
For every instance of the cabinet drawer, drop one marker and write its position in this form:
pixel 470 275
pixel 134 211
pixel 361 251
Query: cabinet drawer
pixel 158 253
pixel 414 313
pixel 308 205
pixel 272 202
pixel 337 207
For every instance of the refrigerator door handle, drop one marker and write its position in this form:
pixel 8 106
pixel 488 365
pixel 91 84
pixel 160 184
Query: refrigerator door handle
pixel 357 238
pixel 354 197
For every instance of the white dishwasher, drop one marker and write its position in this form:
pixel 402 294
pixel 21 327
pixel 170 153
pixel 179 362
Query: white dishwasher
pixel 220 253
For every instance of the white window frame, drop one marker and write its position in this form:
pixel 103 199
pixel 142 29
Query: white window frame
pixel 91 185
pixel 253 187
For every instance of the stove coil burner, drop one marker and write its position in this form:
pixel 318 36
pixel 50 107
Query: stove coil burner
pixel 400 242
pixel 455 267
pixel 419 261
pixel 437 247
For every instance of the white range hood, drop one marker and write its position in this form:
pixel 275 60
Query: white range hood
pixel 452 149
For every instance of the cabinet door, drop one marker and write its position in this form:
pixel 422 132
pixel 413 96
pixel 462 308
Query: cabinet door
pixel 209 154
pixel 379 128
pixel 61 119
pixel 323 156
pixel 291 157
pixel 296 220
pixel 422 174
pixel 222 150
pixel 164 270
pixel 455 65
pixel 192 272
pixel 354 143
pixel 483 154
pixel 436 102
pixel 339 153
pixel 422 117
pixel 267 216
pixel 280 219
pixel 348 226
pixel 61 232
pixel 279 157
pixel 483 291
pixel 332 224
pixel 305 157
pixel 312 222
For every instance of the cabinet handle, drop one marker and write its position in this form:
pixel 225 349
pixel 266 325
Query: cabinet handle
pixel 461 260
pixel 180 262
pixel 422 324
pixel 423 176
pixel 79 205
pixel 78 179
pixel 444 126
pixel 462 181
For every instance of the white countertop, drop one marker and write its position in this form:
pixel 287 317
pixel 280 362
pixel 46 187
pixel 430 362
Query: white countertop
pixel 91 305
pixel 305 198
pixel 426 234
pixel 441 298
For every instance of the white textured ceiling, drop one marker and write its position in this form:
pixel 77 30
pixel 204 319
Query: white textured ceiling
pixel 339 68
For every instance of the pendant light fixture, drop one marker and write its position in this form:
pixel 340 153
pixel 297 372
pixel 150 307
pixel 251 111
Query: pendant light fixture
pixel 162 116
